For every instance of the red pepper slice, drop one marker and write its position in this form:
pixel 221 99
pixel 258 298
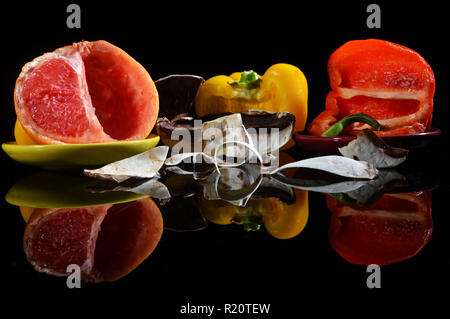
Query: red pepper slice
pixel 395 228
pixel 387 81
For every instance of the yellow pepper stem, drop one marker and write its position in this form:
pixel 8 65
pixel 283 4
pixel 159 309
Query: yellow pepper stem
pixel 249 80
pixel 250 223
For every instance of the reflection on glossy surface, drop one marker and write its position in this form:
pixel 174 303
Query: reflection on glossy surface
pixel 110 228
pixel 281 220
pixel 282 211
pixel 56 190
pixel 393 229
pixel 107 234
pixel 107 242
pixel 243 196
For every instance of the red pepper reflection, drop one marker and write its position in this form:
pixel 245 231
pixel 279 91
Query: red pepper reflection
pixel 395 228
pixel 107 242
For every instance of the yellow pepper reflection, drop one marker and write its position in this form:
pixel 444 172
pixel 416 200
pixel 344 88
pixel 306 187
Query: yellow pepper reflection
pixel 282 221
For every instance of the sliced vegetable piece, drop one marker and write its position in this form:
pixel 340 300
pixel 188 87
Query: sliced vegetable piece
pixel 337 165
pixel 144 165
pixel 269 131
pixel 370 148
pixel 320 185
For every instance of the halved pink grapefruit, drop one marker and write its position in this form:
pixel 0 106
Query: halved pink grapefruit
pixel 88 92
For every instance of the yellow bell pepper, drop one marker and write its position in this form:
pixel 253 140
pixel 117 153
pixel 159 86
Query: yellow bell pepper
pixel 283 87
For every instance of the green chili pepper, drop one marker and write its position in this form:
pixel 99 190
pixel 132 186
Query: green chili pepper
pixel 338 127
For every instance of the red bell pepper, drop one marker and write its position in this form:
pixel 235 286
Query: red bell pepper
pixel 387 81
pixel 395 228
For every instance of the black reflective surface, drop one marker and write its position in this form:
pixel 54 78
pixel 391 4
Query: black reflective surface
pixel 197 259
pixel 211 263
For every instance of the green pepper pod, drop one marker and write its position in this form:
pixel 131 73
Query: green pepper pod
pixel 338 127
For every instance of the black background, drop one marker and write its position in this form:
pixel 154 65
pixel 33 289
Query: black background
pixel 224 264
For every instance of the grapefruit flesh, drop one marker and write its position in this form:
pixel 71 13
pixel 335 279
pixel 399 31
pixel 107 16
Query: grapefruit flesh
pixel 107 242
pixel 56 238
pixel 129 234
pixel 86 93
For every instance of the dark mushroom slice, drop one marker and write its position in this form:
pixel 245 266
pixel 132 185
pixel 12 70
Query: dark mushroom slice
pixel 267 129
pixel 371 148
pixel 177 94
pixel 265 119
pixel 167 129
